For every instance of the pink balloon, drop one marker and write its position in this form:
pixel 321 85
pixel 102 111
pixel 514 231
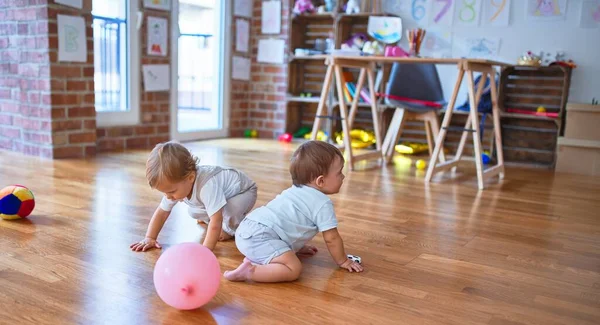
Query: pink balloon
pixel 187 276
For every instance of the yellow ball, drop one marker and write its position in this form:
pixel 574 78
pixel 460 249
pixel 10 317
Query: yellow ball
pixel 253 134
pixel 541 109
pixel 421 164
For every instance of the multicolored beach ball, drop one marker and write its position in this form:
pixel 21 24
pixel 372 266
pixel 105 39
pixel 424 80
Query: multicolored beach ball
pixel 16 202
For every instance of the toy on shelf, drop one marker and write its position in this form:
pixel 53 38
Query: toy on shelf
pixel 485 157
pixel 530 59
pixel 594 101
pixel 373 48
pixel 321 136
pixel 541 109
pixel 330 5
pixel 356 41
pixel 421 164
pixel 250 133
pixel 303 6
pixel 353 7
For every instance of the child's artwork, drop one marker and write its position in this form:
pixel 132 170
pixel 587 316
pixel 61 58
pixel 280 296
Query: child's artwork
pixel 242 8
pixel 271 17
pixel 442 12
pixel 477 47
pixel 72 44
pixel 385 29
pixel 71 3
pixel 156 77
pixel 546 9
pixel 590 14
pixel 270 51
pixel 157 36
pixel 437 44
pixel 419 10
pixel 496 13
pixel 242 32
pixel 468 12
pixel 240 68
pixel 158 4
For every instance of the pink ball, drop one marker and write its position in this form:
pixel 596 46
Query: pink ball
pixel 187 276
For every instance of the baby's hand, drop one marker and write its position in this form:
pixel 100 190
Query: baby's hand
pixel 351 266
pixel 144 245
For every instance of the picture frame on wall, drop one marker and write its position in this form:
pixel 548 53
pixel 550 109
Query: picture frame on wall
pixel 158 4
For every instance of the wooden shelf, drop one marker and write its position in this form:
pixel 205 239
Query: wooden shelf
pixel 298 99
pixel 529 117
pixel 308 57
pixel 327 16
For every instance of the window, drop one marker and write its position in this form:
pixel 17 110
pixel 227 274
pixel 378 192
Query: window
pixel 116 62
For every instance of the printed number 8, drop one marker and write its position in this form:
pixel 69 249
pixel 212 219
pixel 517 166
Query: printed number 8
pixel 418 10
pixel 468 6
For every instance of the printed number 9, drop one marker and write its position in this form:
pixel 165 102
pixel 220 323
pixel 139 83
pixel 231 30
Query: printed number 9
pixel 418 10
pixel 500 8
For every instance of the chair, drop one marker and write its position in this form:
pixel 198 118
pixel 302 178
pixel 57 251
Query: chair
pixel 416 92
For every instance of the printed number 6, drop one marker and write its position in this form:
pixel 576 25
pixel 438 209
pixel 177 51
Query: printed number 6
pixel 418 10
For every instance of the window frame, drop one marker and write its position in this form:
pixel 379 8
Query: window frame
pixel 132 115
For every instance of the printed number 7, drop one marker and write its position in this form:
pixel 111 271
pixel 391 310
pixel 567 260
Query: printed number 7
pixel 418 10
pixel 444 10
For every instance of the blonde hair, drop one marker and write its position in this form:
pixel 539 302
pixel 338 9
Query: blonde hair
pixel 169 161
pixel 311 160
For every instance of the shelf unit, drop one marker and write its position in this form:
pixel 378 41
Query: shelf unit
pixel 306 73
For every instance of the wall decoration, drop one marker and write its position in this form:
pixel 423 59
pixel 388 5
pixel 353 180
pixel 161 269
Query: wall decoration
pixel 496 13
pixel 156 77
pixel 72 43
pixel 467 13
pixel 158 4
pixel 240 68
pixel 442 12
pixel 546 10
pixel 271 17
pixel 72 3
pixel 590 14
pixel 242 8
pixel 157 36
pixel 242 35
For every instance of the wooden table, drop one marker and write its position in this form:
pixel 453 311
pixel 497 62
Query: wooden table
pixel 366 64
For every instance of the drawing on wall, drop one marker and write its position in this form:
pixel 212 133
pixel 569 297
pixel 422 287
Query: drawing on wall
pixel 156 77
pixel 477 47
pixel 271 17
pixel 590 14
pixel 442 12
pixel 72 44
pixel 418 10
pixel 271 51
pixel 542 10
pixel 437 44
pixel 468 12
pixel 157 36
pixel 242 32
pixel 240 69
pixel 242 8
pixel 496 13
pixel 158 4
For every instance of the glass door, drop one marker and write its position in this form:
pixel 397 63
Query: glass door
pixel 199 101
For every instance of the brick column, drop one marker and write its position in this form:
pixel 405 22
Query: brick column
pixel 25 108
pixel 72 90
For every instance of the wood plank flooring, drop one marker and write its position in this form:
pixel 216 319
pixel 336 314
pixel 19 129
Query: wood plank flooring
pixel 524 251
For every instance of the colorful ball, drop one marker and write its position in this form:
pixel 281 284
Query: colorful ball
pixel 16 202
pixel 421 164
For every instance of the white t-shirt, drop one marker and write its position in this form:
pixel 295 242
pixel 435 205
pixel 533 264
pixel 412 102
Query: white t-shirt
pixel 297 215
pixel 208 199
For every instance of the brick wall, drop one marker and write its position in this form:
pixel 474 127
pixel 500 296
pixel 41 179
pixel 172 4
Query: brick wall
pixel 267 91
pixel 25 108
pixel 238 101
pixel 154 106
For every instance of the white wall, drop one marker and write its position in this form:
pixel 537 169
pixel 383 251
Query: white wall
pixel 581 45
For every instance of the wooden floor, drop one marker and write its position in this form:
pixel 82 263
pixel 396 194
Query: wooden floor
pixel 524 251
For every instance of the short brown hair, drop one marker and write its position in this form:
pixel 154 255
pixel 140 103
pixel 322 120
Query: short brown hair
pixel 311 160
pixel 169 161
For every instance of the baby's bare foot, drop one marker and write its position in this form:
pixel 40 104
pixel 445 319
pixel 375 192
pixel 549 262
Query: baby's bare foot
pixel 224 236
pixel 307 250
pixel 242 273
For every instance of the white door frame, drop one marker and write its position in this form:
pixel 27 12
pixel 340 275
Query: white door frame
pixel 224 45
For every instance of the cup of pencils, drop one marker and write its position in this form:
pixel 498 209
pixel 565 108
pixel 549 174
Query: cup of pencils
pixel 415 38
